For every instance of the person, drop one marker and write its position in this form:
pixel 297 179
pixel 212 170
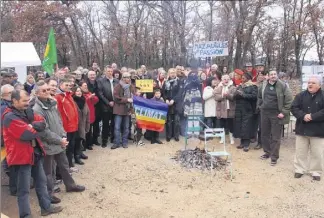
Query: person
pixel 96 69
pixel 91 100
pixel 225 109
pixel 121 109
pixel 139 132
pixel 93 88
pixel 257 116
pixel 117 74
pixel 203 80
pixel 274 101
pixel 161 77
pixel 7 78
pixel 260 68
pixel 29 84
pixel 150 95
pixel 78 76
pixel 283 77
pixel 154 135
pixel 308 108
pixel 60 74
pixel 114 66
pixel 39 76
pixel 25 153
pixel 171 88
pixel 207 68
pixel 237 79
pixel 106 87
pixel 245 98
pixel 6 91
pixel 69 114
pixel 54 141
pixel 52 84
pixel 210 104
pixel 224 70
pixel 15 79
pixel 83 124
pixel 145 74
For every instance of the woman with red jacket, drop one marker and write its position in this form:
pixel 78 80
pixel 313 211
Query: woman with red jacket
pixel 91 100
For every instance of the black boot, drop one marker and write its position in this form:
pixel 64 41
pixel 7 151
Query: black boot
pixel 83 156
pixel 95 142
pixel 78 160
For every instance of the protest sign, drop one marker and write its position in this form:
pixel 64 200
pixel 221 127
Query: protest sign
pixel 146 85
pixel 210 49
pixel 150 114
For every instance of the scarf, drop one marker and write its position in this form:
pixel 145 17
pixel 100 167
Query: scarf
pixel 169 82
pixel 80 101
pixel 225 90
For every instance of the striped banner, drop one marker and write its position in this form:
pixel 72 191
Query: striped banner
pixel 150 114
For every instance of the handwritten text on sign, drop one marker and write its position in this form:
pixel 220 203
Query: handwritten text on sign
pixel 210 49
pixel 146 85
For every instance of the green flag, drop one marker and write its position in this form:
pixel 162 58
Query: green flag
pixel 50 56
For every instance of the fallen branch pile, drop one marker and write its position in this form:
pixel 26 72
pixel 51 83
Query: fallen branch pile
pixel 199 159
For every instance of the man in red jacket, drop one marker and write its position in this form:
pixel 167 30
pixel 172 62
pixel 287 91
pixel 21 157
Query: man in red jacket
pixel 69 115
pixel 25 152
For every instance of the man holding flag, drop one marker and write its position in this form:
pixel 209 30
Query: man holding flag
pixel 50 55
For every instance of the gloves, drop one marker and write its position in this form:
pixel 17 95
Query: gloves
pixel 38 126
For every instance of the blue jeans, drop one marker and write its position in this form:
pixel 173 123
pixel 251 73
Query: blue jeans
pixel 121 138
pixel 24 172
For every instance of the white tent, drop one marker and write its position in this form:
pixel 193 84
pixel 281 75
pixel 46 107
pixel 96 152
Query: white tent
pixel 19 55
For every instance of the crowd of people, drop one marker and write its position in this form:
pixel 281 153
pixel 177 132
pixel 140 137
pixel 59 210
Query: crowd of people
pixel 64 114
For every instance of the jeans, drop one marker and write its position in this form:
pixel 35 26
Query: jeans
pixel 13 180
pixel 121 137
pixel 24 172
pixel 63 165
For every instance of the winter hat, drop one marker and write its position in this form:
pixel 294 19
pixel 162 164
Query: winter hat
pixel 239 72
pixel 249 64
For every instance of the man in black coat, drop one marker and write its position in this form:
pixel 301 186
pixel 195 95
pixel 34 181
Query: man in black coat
pixel 308 108
pixel 105 93
pixel 171 88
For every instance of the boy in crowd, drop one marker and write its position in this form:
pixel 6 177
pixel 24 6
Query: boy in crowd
pixel 155 134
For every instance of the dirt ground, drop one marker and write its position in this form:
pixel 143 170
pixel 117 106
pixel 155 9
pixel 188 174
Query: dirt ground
pixel 143 182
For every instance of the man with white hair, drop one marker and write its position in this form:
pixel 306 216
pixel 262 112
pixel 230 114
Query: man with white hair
pixel 308 108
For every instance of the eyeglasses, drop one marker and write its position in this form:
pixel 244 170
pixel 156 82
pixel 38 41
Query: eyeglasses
pixel 46 90
pixel 126 77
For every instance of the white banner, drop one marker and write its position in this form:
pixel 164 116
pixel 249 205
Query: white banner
pixel 210 49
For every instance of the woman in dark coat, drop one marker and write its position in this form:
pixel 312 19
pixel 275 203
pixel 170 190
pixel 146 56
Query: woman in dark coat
pixel 246 98
pixel 84 124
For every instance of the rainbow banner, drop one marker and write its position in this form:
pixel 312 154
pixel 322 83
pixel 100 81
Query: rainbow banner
pixel 150 114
